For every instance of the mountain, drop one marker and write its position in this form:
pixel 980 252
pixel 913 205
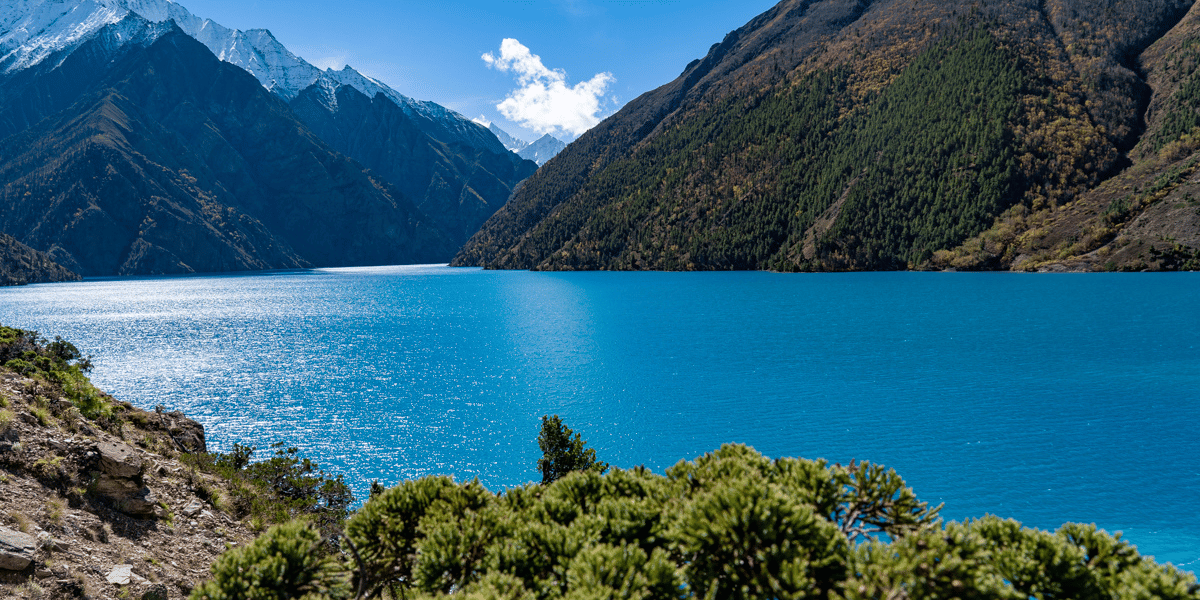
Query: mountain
pixel 20 265
pixel 174 161
pixel 888 134
pixel 33 31
pixel 542 150
pixel 282 166
pixel 458 185
pixel 511 143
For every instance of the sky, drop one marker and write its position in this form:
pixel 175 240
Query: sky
pixel 530 66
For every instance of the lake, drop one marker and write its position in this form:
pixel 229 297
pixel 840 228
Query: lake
pixel 1045 398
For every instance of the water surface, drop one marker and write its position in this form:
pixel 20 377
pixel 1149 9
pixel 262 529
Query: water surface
pixel 1045 398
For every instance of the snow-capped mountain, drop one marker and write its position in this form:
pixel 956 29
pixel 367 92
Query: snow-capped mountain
pixel 510 142
pixel 540 151
pixel 32 31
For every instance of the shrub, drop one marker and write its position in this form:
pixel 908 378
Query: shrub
pixel 287 562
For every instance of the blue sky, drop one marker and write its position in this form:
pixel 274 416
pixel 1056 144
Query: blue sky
pixel 617 49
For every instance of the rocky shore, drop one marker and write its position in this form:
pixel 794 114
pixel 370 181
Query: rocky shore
pixel 103 508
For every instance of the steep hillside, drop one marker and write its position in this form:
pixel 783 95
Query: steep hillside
pixel 272 188
pixel 1148 216
pixel 94 499
pixel 835 135
pixel 458 185
pixel 20 265
pixel 176 162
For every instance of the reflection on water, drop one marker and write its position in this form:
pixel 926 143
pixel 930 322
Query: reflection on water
pixel 1043 398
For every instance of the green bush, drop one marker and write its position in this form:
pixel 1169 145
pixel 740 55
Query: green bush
pixel 281 488
pixel 286 562
pixel 731 524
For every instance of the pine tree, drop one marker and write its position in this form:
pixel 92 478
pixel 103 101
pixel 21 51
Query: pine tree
pixel 562 454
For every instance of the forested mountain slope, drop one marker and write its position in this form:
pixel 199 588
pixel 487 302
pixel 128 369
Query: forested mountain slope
pixel 846 135
pixel 20 265
pixel 458 185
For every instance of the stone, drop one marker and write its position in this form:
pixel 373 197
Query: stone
pixel 157 591
pixel 188 434
pixel 45 540
pixel 192 509
pixel 120 575
pixel 119 460
pixel 126 495
pixel 16 549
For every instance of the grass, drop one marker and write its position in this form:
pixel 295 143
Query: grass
pixel 169 515
pixel 24 525
pixel 55 509
pixel 6 419
pixel 42 414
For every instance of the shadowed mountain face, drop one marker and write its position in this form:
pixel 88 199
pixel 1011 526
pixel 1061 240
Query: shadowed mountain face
pixel 457 185
pixel 853 134
pixel 174 162
pixel 20 265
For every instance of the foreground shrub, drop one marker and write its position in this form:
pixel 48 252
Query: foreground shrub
pixel 729 525
pixel 282 488
pixel 286 562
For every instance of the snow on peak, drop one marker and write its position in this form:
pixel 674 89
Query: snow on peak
pixel 510 142
pixel 33 30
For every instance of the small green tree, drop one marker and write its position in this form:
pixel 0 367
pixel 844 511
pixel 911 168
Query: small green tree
pixel 562 453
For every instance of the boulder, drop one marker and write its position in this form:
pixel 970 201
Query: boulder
pixel 120 575
pixel 16 549
pixel 126 495
pixel 188 434
pixel 119 460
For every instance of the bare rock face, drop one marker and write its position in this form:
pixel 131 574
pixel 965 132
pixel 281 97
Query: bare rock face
pixel 126 495
pixel 16 549
pixel 187 434
pixel 119 479
pixel 119 460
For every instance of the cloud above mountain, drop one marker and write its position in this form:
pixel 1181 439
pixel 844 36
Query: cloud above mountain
pixel 544 102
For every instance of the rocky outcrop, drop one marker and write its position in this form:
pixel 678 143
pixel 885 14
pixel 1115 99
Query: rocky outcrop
pixel 16 549
pixel 20 264
pixel 120 479
pixel 82 499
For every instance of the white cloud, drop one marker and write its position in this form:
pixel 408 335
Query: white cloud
pixel 544 102
pixel 482 120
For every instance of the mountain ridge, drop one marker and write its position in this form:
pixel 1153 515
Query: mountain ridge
pixel 792 145
pixel 178 162
pixel 62 26
pixel 416 183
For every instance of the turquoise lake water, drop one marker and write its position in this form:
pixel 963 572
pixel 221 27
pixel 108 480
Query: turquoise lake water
pixel 1045 398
